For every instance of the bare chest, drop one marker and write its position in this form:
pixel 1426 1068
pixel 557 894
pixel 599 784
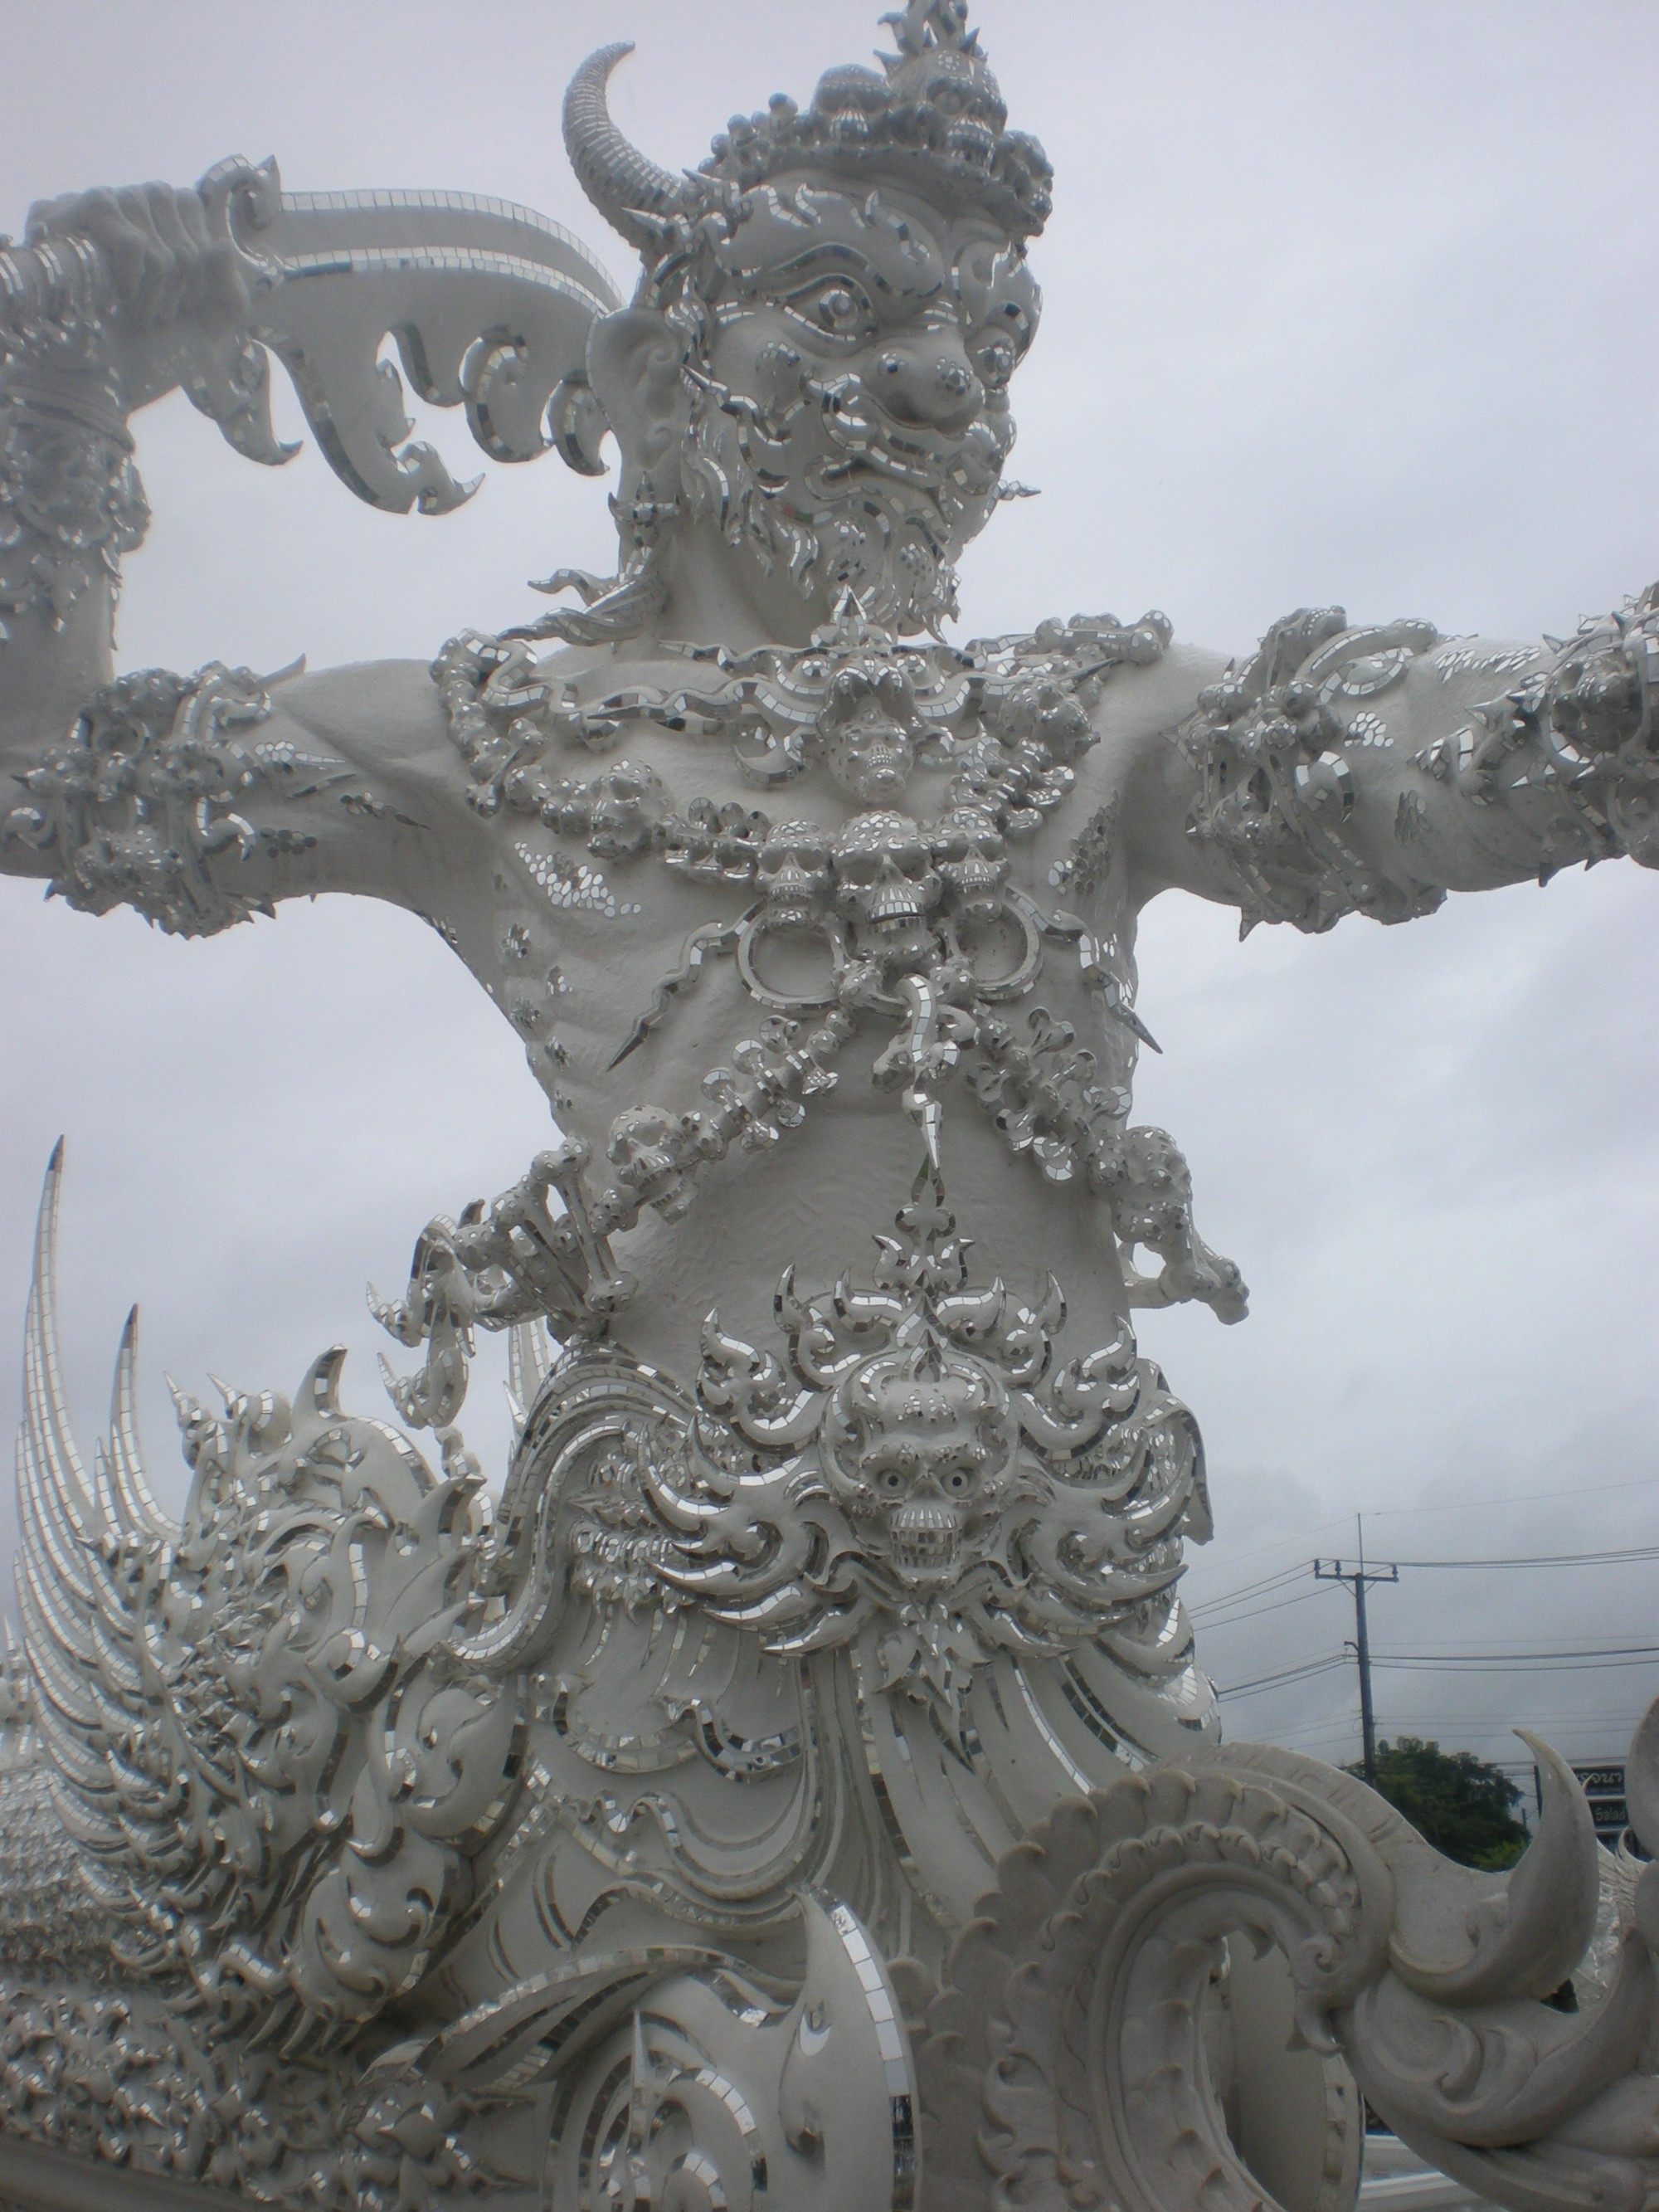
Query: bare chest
pixel 904 843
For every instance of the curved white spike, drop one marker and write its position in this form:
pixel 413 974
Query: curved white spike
pixel 45 1402
pixel 58 1515
pixel 1527 1932
pixel 116 1662
pixel 320 1387
pixel 98 1832
pixel 77 1630
pixel 59 1681
pixel 135 1505
pixel 49 1537
pixel 529 1357
pixel 232 1398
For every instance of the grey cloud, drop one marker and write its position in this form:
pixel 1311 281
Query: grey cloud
pixel 1343 304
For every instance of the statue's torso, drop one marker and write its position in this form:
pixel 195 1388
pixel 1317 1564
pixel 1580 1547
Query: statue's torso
pixel 640 931
pixel 641 936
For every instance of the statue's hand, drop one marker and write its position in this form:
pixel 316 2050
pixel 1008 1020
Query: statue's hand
pixel 174 278
pixel 1597 713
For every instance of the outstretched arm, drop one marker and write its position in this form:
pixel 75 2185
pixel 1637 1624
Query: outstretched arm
pixel 95 311
pixel 1372 771
pixel 203 799
pixel 198 799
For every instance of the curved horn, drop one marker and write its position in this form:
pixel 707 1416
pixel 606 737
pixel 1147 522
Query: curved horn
pixel 625 186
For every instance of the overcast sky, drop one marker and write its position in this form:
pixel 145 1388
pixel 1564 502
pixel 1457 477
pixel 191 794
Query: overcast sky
pixel 1344 302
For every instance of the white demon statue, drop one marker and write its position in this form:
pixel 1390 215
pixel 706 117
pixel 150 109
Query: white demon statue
pixel 799 1788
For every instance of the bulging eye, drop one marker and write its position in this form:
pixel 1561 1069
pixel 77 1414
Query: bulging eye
pixel 838 307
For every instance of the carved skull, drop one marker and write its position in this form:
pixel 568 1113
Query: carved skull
pixel 644 1147
pixel 886 884
pixel 625 807
pixel 869 754
pixel 920 1446
pixel 794 870
pixel 972 856
pixel 1048 713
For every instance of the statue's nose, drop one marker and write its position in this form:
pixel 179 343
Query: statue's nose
pixel 929 379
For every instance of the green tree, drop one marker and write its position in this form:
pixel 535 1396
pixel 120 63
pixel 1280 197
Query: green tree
pixel 1463 1805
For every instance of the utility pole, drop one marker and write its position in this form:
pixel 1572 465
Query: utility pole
pixel 1358 1578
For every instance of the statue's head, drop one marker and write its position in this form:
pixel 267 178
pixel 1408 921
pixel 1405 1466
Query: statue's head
pixel 813 377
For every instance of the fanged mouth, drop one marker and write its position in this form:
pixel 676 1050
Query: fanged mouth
pixel 893 907
pixel 927 1539
pixel 971 142
pixel 791 911
pixel 974 880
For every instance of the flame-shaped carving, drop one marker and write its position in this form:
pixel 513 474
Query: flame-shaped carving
pixel 272 1767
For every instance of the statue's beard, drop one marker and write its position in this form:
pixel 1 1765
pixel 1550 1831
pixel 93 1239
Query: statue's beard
pixel 836 495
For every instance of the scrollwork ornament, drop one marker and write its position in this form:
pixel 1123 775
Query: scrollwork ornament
pixel 1004 716
pixel 924 1442
pixel 1063 2061
pixel 1586 727
pixel 1272 742
pixel 141 803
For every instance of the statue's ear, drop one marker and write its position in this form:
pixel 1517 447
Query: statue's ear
pixel 634 362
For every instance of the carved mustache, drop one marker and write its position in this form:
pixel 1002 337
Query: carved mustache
pixel 867 439
pixel 867 436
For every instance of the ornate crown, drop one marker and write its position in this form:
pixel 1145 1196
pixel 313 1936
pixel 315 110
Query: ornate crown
pixel 933 118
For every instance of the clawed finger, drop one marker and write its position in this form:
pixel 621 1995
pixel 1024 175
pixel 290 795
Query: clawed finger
pixel 165 263
pixel 141 259
pixel 178 285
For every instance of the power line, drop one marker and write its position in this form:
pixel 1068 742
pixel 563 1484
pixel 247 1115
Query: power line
pixel 1256 1612
pixel 1279 1543
pixel 1492 1663
pixel 1459 1506
pixel 1562 1647
pixel 1474 1654
pixel 1282 1579
pixel 1275 1593
pixel 1285 1675
pixel 1609 1559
